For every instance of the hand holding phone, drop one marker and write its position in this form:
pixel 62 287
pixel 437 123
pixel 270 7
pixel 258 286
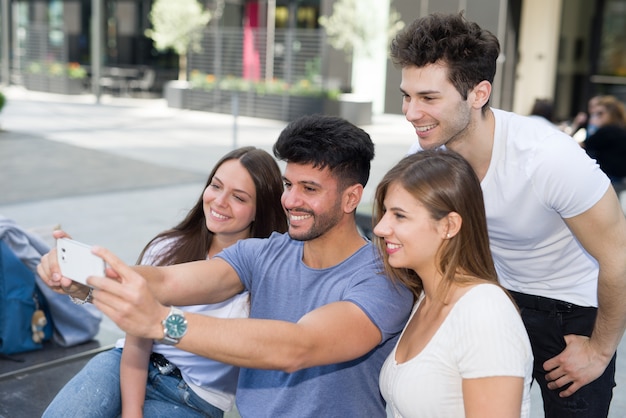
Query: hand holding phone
pixel 77 262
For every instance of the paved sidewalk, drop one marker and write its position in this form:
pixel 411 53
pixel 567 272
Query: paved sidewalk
pixel 118 172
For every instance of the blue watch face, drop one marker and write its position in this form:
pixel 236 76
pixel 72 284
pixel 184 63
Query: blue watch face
pixel 176 326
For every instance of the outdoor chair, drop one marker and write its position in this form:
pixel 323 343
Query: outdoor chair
pixel 144 83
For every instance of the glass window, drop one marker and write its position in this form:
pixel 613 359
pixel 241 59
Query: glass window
pixel 55 19
pixel 305 15
pixel 613 42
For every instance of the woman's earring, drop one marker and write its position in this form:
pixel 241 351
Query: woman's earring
pixel 448 235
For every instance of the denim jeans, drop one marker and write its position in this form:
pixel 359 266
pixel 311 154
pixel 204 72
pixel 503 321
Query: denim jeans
pixel 547 323
pixel 95 393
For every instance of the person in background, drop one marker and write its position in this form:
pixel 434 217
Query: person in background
pixel 465 337
pixel 241 199
pixel 556 228
pixel 543 110
pixel 607 145
pixel 581 127
pixel 322 316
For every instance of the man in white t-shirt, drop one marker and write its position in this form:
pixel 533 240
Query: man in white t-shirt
pixel 556 228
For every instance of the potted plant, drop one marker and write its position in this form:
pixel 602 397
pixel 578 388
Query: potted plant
pixel 355 27
pixel 275 99
pixel 66 78
pixel 177 25
pixel 55 77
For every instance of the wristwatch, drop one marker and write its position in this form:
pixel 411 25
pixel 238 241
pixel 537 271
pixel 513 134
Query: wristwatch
pixel 174 327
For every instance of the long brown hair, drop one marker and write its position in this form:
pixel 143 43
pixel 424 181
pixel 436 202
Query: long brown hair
pixel 193 239
pixel 443 182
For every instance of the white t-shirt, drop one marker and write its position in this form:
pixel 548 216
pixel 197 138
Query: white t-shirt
pixel 213 381
pixel 539 176
pixel 482 336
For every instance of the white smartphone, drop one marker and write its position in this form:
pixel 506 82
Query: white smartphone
pixel 77 262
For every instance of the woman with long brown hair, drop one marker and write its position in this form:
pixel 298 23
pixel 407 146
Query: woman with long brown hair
pixel 464 350
pixel 241 199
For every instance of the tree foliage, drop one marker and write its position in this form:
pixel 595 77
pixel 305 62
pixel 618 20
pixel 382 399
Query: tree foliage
pixel 177 24
pixel 352 25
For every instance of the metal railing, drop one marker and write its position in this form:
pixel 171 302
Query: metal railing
pixel 232 52
pixel 296 54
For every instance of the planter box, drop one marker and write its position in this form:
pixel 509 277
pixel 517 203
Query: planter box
pixel 207 101
pixel 49 84
pixel 173 93
pixel 63 85
pixel 251 104
pixel 36 82
pixel 351 107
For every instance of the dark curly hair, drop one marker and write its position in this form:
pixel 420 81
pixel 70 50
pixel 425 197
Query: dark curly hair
pixel 468 51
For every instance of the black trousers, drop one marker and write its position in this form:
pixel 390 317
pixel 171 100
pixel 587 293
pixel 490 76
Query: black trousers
pixel 547 321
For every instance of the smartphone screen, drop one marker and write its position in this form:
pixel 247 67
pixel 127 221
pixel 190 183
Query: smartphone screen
pixel 77 262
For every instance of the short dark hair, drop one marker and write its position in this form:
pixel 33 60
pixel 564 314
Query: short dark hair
pixel 468 51
pixel 328 141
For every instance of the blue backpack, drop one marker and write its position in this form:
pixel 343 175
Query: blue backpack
pixel 25 321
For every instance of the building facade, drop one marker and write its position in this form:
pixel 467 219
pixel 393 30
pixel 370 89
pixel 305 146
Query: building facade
pixel 562 50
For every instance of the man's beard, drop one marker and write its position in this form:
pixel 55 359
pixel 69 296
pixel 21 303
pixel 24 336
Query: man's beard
pixel 321 225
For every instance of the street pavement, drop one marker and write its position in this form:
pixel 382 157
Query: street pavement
pixel 116 172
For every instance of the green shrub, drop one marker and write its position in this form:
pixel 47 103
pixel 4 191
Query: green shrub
pixel 2 100
pixel 57 69
pixel 303 87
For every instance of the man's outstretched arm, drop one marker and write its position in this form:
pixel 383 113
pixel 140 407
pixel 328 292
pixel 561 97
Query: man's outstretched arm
pixel 333 333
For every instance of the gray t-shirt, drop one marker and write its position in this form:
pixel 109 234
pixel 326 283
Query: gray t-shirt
pixel 282 287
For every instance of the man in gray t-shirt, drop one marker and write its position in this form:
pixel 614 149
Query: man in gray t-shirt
pixel 323 316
